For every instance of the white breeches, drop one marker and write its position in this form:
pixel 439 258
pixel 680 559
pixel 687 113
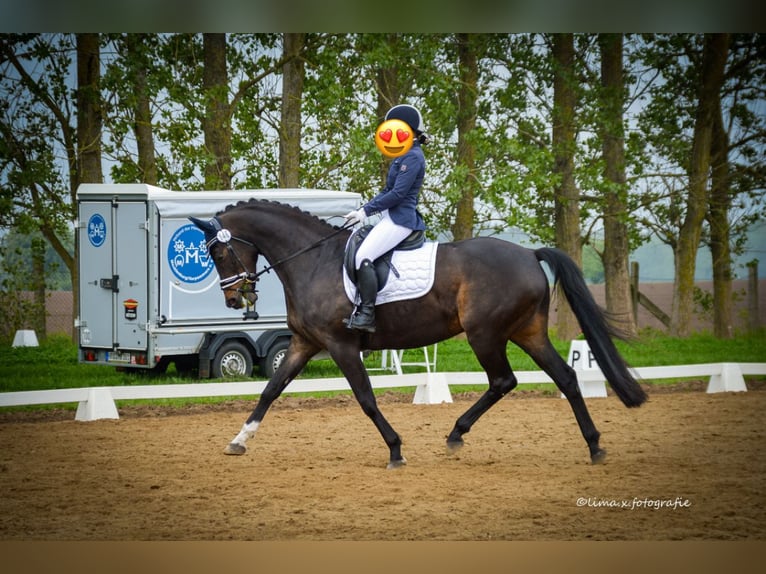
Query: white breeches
pixel 385 235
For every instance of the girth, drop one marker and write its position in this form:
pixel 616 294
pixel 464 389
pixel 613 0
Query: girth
pixel 382 264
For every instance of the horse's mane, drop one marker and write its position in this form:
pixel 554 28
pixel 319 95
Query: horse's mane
pixel 255 202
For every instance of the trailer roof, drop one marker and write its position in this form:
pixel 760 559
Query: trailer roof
pixel 320 202
pixel 150 192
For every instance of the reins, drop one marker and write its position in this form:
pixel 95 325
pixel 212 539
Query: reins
pixel 225 237
pixel 344 227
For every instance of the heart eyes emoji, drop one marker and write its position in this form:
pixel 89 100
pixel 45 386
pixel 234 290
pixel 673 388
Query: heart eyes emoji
pixel 393 138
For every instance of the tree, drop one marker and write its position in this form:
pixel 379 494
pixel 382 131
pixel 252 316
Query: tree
pixel 616 246
pixel 389 88
pixel 40 142
pixel 216 122
pixel 718 219
pixel 667 124
pixel 46 153
pixel 525 130
pixel 468 73
pixel 709 89
pixel 137 67
pixel 89 122
pixel 736 138
pixel 567 215
pixel 292 96
pixel 89 119
pixel 130 86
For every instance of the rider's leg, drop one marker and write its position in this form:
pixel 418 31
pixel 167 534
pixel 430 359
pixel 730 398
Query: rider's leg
pixel 384 236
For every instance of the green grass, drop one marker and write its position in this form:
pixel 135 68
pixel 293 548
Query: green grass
pixel 54 363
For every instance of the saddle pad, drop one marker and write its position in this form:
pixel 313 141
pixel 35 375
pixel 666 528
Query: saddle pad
pixel 416 275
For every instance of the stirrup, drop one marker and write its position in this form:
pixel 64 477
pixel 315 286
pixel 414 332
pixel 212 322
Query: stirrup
pixel 368 326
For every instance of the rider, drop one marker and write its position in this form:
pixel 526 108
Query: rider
pixel 397 204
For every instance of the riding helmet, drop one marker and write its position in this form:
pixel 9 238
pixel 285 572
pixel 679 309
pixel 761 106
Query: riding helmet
pixel 411 116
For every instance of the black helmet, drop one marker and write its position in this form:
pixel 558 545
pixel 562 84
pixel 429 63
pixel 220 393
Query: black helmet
pixel 409 115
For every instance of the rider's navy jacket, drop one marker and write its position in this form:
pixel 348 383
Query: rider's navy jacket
pixel 400 196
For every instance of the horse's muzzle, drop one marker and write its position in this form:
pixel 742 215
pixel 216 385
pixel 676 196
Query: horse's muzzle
pixel 237 299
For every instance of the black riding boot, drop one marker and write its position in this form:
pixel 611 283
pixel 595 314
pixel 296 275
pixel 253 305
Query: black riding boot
pixel 367 284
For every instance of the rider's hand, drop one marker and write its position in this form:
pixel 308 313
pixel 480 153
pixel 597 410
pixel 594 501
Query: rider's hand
pixel 356 216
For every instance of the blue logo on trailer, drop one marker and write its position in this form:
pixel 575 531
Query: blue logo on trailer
pixel 187 254
pixel 96 230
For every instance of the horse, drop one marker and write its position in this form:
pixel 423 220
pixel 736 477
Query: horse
pixel 492 290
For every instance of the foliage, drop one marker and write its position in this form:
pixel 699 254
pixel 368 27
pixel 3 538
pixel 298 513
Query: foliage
pixel 513 175
pixel 665 124
pixel 16 262
pixel 37 135
pixel 15 308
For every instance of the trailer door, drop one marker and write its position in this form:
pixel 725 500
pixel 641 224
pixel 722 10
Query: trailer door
pixel 113 275
pixel 131 312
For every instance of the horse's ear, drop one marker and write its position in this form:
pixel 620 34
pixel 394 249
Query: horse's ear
pixel 206 226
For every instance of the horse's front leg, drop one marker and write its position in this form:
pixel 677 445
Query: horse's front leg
pixel 349 361
pixel 298 354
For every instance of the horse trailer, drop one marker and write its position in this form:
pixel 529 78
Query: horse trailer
pixel 149 294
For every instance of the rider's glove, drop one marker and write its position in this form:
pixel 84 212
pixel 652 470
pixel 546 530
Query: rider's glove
pixel 356 216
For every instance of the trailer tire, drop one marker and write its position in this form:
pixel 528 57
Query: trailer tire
pixel 274 357
pixel 233 359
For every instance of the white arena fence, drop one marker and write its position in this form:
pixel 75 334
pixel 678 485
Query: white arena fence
pixel 431 387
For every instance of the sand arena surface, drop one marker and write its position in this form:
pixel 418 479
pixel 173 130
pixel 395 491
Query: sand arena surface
pixel 686 465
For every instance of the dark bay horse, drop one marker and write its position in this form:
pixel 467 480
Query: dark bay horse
pixel 492 290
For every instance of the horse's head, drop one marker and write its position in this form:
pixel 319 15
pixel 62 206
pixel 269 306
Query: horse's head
pixel 234 259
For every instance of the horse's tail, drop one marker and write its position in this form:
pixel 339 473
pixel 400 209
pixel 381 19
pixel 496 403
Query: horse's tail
pixel 595 327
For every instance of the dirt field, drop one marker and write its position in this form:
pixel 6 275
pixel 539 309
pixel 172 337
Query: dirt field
pixel 687 465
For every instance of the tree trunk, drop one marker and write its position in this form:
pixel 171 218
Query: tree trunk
pixel 89 118
pixel 389 94
pixel 216 124
pixel 567 214
pixel 89 123
pixel 718 218
pixel 142 114
pixel 462 228
pixel 38 285
pixel 711 79
pixel 616 248
pixel 292 96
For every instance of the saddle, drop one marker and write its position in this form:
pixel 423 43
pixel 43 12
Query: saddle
pixel 383 265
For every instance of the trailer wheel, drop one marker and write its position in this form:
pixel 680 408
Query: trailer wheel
pixel 233 359
pixel 274 357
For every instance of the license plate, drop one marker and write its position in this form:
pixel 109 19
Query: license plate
pixel 115 357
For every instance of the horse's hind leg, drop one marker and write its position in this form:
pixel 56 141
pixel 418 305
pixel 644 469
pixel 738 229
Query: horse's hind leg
pixel 491 354
pixel 548 359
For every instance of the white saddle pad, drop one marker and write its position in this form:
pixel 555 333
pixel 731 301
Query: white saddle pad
pixel 416 275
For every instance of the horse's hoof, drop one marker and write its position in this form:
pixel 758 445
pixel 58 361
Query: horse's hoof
pixel 399 463
pixel 454 445
pixel 598 456
pixel 235 449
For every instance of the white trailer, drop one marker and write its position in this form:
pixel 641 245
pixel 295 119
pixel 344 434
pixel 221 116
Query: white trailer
pixel 149 294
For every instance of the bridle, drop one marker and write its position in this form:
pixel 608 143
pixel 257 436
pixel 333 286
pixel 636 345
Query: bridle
pixel 225 237
pixel 248 278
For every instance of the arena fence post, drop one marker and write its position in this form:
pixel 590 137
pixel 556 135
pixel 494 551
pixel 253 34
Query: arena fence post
pixel 99 405
pixel 730 379
pixel 434 391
